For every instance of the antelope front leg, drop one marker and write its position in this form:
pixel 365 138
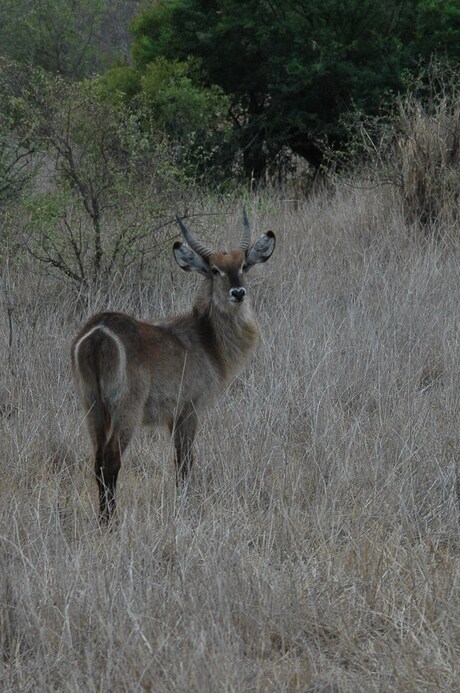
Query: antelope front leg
pixel 184 434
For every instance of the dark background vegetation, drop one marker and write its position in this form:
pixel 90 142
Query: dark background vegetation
pixel 228 91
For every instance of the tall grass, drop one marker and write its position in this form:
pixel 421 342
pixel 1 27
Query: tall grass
pixel 414 148
pixel 316 546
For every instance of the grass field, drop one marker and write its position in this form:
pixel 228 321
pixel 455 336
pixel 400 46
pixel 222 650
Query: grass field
pixel 316 546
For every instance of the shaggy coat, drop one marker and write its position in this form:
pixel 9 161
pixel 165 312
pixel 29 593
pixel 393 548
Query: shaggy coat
pixel 128 372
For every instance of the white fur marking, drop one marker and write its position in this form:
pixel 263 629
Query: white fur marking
pixel 118 342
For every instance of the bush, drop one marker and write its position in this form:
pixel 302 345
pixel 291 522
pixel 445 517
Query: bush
pixel 189 119
pixel 18 157
pixel 428 153
pixel 415 147
pixel 95 208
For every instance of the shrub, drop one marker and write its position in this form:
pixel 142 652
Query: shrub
pixel 414 147
pixel 428 154
pixel 104 191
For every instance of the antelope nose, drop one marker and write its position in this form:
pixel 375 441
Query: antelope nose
pixel 238 294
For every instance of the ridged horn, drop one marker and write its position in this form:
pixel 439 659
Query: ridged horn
pixel 246 237
pixel 195 245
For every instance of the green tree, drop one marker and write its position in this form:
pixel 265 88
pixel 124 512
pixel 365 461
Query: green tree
pixel 73 38
pixel 291 68
pixel 189 118
pixel 19 157
pixel 54 34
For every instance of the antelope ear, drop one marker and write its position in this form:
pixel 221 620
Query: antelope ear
pixel 261 250
pixel 189 260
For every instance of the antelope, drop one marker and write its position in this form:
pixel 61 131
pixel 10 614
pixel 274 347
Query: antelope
pixel 129 372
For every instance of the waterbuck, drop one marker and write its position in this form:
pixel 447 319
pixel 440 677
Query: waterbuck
pixel 129 372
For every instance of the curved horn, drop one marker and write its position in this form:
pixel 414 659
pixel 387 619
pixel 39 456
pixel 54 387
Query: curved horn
pixel 195 245
pixel 246 237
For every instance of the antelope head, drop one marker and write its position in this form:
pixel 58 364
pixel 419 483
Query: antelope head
pixel 226 270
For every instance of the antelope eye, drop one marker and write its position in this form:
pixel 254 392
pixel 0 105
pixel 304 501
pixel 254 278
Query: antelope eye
pixel 215 271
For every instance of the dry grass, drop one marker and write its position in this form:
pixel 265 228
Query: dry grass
pixel 316 547
pixel 428 154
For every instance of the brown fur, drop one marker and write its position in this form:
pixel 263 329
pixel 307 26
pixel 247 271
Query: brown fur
pixel 129 372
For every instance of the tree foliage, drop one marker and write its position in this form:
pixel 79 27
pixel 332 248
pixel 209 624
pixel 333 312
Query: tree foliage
pixel 292 68
pixel 227 87
pixel 73 38
pixel 175 108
